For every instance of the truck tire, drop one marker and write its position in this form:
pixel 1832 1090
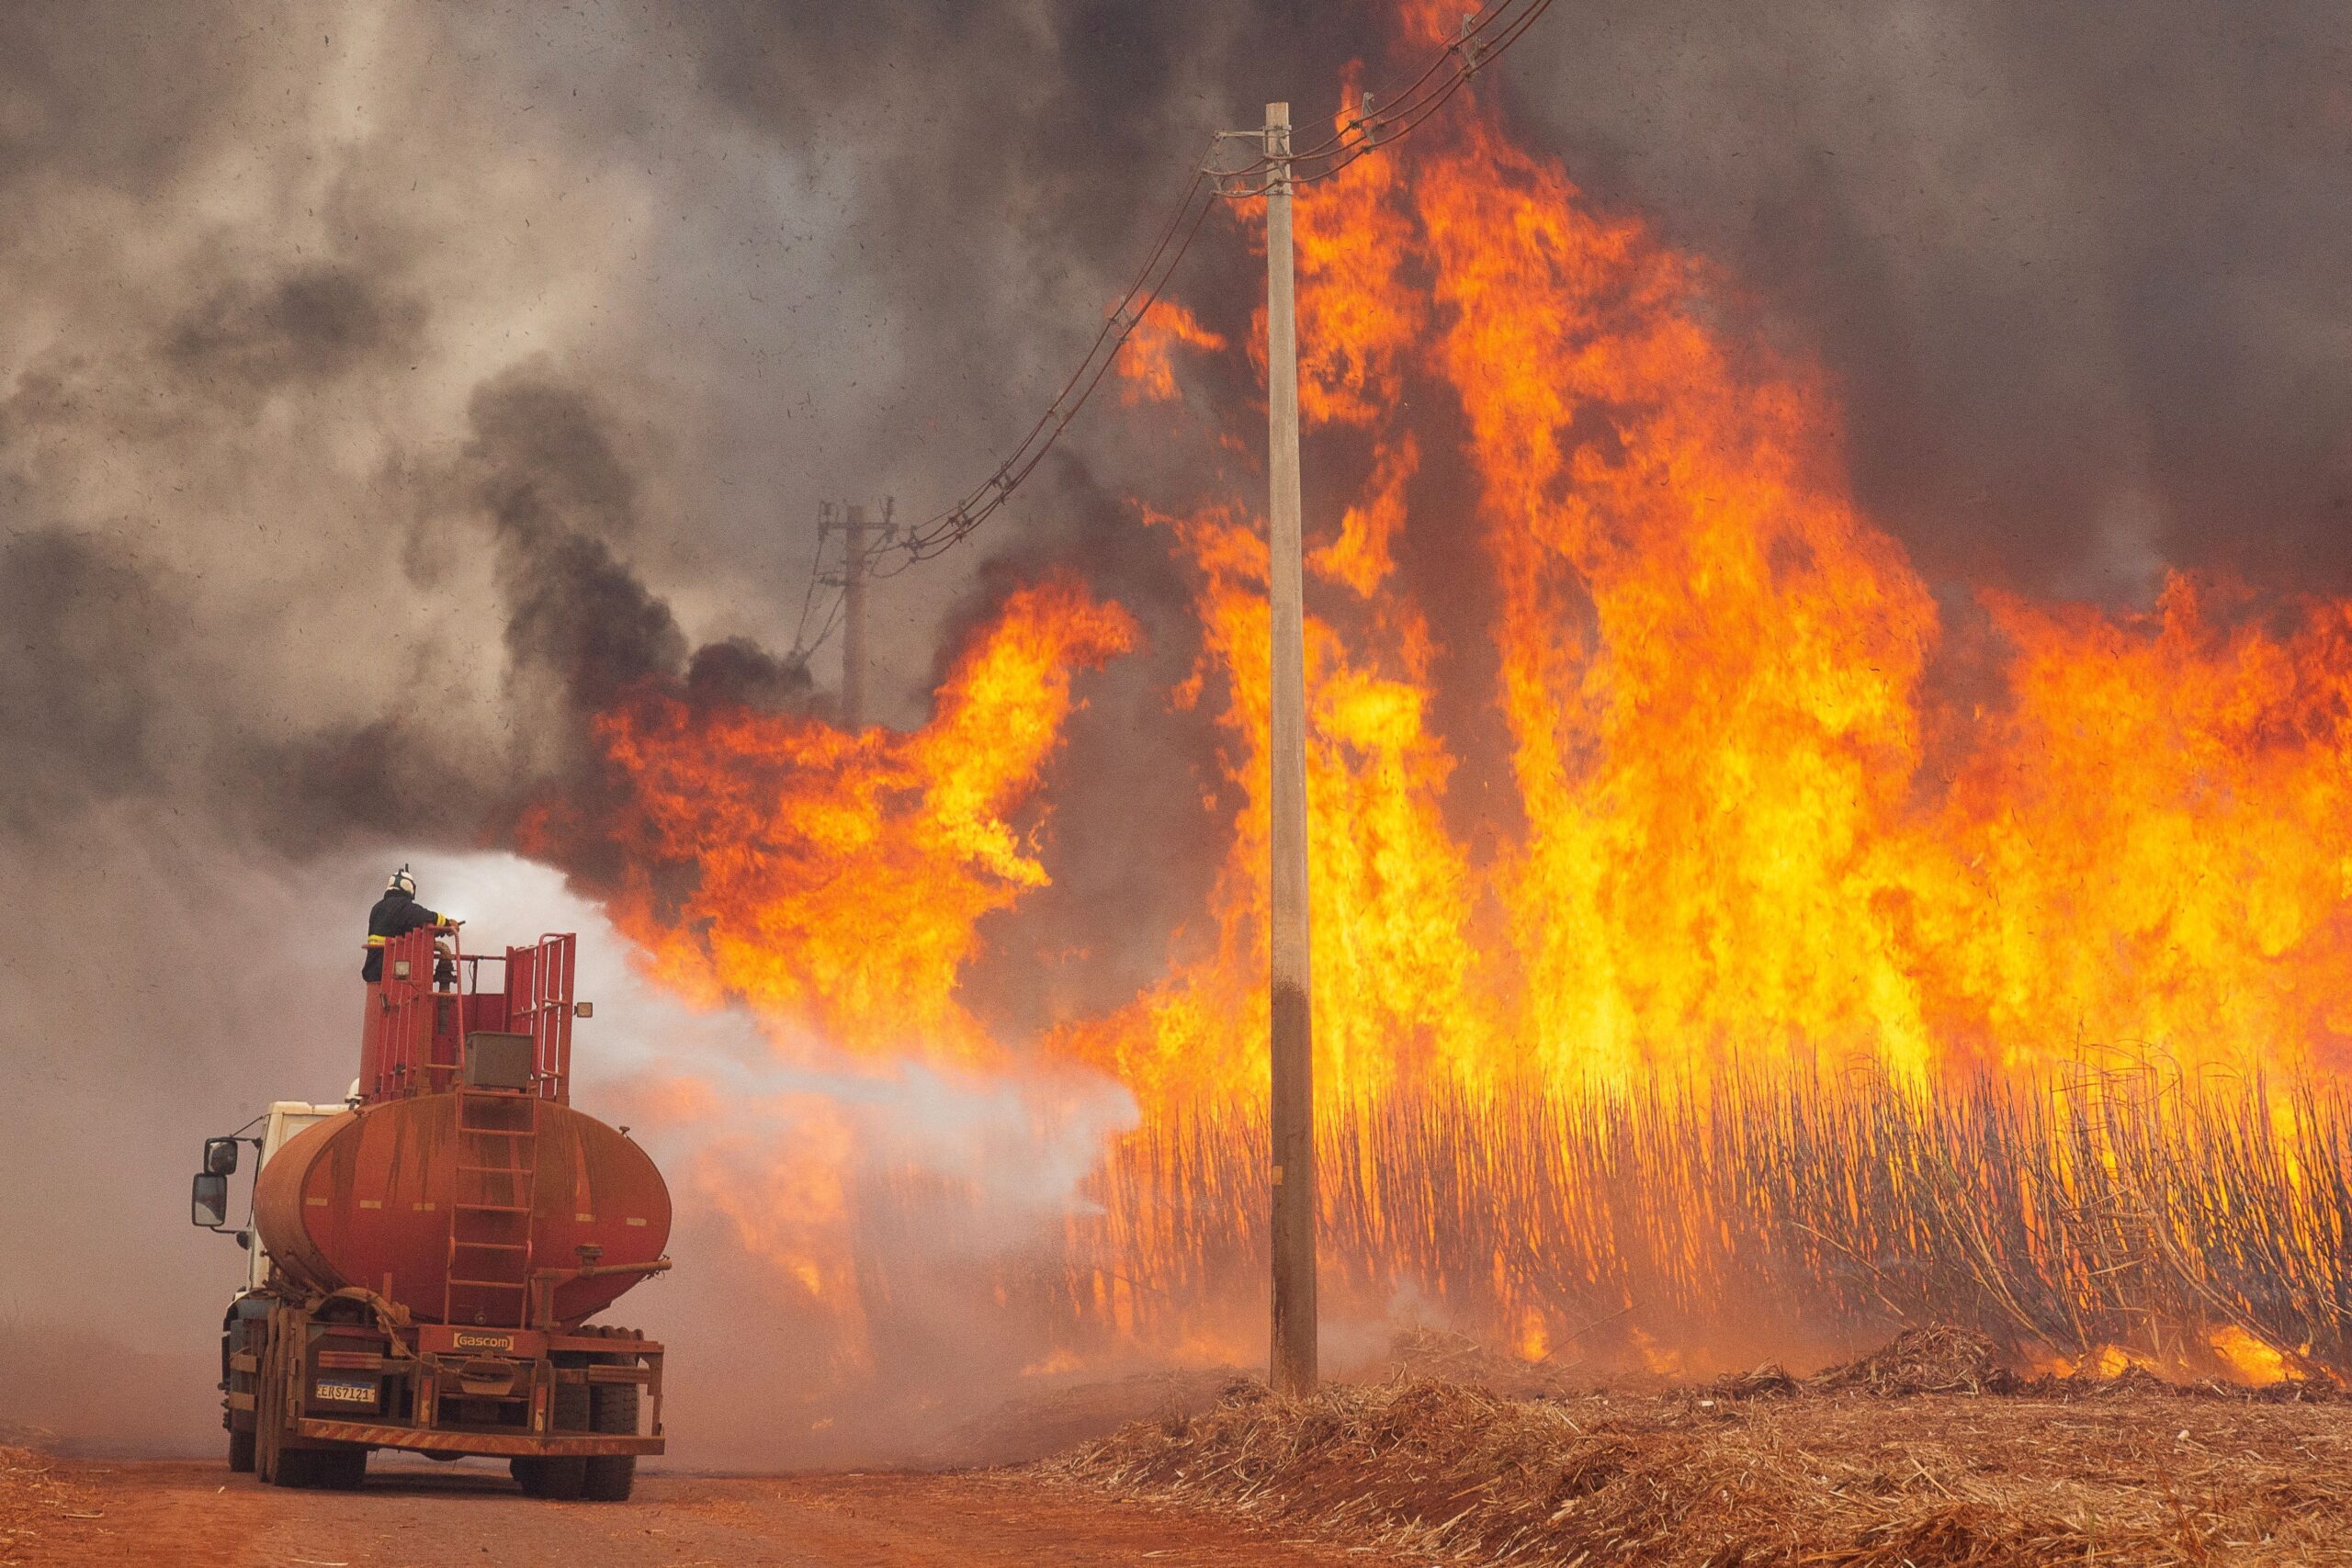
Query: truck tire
pixel 611 1408
pixel 341 1468
pixel 559 1480
pixel 556 1480
pixel 568 1410
pixel 241 1444
pixel 338 1470
pixel 269 1450
pixel 241 1332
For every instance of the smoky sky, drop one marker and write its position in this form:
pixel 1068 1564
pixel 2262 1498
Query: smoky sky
pixel 2077 275
pixel 2076 271
pixel 388 385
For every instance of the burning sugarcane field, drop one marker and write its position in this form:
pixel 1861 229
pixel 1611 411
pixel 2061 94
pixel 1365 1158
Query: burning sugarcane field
pixel 1626 838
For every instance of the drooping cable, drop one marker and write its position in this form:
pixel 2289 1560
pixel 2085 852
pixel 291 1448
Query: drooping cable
pixel 1392 121
pixel 801 649
pixel 949 527
pixel 1485 36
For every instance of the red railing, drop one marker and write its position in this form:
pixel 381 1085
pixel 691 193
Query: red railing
pixel 539 1003
pixel 430 998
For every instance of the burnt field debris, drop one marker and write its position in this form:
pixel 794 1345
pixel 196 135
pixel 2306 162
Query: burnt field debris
pixel 1931 1452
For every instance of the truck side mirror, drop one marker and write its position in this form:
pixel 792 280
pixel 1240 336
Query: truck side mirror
pixel 220 1156
pixel 208 1200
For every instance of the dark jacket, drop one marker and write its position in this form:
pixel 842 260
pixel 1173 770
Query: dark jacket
pixel 395 914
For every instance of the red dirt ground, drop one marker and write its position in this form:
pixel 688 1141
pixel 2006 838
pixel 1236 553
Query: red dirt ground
pixel 413 1513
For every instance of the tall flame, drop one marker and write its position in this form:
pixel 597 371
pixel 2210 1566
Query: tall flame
pixel 1745 834
pixel 1768 807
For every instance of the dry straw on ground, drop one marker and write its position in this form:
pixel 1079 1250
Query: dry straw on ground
pixel 1853 1468
pixel 34 1503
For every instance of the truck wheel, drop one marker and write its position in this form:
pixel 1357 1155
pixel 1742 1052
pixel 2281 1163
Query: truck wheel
pixel 611 1408
pixel 270 1448
pixel 279 1465
pixel 338 1470
pixel 610 1479
pixel 568 1410
pixel 556 1480
pixel 241 1444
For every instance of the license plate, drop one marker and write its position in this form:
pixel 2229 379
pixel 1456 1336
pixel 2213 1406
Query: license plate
pixel 339 1393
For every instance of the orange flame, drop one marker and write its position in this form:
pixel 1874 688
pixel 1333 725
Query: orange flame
pixel 834 880
pixel 1146 365
pixel 1726 821
pixel 2249 1360
pixel 1733 841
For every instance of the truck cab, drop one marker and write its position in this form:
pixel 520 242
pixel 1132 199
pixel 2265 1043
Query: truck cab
pixel 280 1123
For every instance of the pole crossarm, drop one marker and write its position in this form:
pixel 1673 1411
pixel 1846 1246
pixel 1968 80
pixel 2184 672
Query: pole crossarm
pixel 1389 116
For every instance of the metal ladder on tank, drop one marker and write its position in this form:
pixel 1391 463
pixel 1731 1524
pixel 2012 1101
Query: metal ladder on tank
pixel 487 1282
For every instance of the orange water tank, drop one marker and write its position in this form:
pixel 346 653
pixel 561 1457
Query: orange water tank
pixel 453 1221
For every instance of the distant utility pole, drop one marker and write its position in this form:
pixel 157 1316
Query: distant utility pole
pixel 1294 1368
pixel 849 520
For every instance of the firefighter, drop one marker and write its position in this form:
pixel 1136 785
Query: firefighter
pixel 397 913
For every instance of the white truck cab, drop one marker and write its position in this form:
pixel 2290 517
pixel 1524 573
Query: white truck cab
pixel 280 1123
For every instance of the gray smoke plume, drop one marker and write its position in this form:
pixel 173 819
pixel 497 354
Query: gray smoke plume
pixel 388 385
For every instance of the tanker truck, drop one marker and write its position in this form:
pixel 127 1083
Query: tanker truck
pixel 423 1258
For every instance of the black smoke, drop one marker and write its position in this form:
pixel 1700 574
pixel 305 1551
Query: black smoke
pixel 2076 271
pixel 2078 275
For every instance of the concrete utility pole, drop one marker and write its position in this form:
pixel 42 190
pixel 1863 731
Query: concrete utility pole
pixel 1294 1360
pixel 849 521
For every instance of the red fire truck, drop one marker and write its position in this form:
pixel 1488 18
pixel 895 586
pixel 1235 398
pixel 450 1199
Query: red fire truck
pixel 425 1257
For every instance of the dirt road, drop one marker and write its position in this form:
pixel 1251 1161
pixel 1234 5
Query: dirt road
pixel 413 1513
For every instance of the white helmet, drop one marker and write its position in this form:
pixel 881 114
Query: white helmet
pixel 401 881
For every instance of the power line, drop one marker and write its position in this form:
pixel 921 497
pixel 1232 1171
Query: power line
pixel 950 527
pixel 801 649
pixel 1469 44
pixel 832 619
pixel 1380 121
